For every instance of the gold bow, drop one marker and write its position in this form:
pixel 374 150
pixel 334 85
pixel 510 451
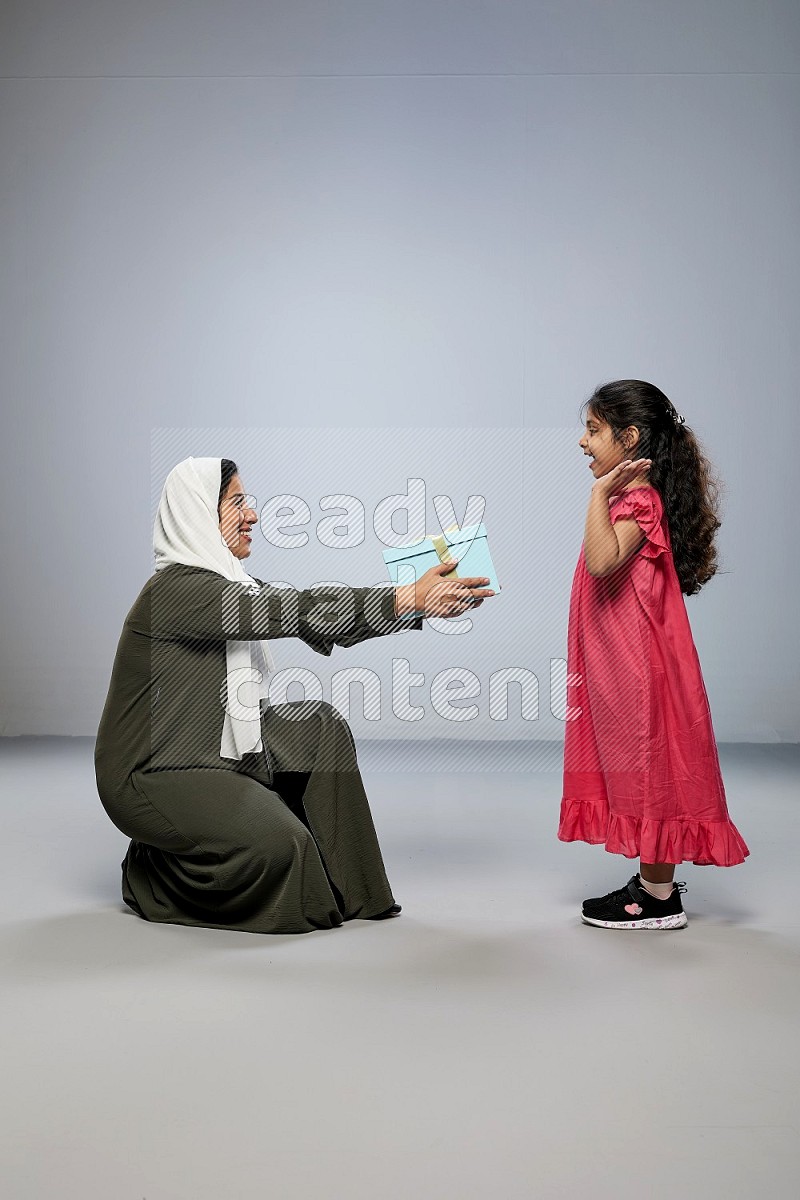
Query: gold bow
pixel 443 550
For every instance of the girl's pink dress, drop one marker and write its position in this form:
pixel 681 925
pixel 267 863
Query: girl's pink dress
pixel 641 772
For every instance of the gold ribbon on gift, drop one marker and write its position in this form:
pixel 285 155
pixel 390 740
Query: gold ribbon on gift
pixel 443 550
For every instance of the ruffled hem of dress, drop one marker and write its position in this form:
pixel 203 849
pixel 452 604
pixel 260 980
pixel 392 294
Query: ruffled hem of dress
pixel 705 843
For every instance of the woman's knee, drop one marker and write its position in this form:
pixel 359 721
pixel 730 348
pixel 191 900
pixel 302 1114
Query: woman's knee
pixel 300 710
pixel 307 736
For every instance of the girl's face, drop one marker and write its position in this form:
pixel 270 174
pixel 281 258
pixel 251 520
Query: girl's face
pixel 605 453
pixel 236 518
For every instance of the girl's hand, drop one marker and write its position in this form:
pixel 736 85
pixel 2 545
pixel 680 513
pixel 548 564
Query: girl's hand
pixel 621 475
pixel 439 597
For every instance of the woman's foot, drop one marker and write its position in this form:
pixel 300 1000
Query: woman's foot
pixel 632 907
pixel 394 911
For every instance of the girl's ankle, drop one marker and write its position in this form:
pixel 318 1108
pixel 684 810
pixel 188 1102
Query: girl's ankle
pixel 659 891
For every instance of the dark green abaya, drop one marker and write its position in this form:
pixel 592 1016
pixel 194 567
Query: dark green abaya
pixel 280 841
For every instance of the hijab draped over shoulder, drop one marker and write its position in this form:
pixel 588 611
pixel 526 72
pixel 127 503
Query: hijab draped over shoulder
pixel 187 532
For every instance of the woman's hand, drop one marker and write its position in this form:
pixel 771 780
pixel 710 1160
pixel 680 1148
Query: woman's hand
pixel 621 475
pixel 438 597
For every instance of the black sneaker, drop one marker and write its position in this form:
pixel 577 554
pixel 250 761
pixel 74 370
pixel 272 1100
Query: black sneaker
pixel 634 908
pixel 598 902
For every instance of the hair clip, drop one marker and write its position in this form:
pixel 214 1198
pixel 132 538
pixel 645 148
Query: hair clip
pixel 678 418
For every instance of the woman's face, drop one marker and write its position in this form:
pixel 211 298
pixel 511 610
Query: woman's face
pixel 237 518
pixel 598 441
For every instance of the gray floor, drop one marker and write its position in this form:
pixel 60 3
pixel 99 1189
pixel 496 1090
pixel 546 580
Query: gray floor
pixel 483 1046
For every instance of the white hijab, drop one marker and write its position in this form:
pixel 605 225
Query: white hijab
pixel 187 531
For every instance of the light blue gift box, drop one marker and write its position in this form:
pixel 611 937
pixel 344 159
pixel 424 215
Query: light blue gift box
pixel 469 545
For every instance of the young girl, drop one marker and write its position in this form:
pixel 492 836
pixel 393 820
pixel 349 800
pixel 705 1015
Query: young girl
pixel 641 772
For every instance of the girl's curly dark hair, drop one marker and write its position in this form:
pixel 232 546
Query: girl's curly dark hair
pixel 680 472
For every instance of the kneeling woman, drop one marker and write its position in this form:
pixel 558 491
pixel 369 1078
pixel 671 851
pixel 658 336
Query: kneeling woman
pixel 251 818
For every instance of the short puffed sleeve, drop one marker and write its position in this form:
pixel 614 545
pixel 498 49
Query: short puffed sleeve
pixel 643 505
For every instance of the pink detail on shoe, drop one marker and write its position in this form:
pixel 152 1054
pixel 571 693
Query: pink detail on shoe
pixel 634 909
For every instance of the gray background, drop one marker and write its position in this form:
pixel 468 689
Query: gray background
pixel 368 241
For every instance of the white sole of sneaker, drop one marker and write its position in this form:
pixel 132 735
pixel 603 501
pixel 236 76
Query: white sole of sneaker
pixel 676 921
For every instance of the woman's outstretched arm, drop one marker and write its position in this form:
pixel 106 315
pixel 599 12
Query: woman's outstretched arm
pixel 192 603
